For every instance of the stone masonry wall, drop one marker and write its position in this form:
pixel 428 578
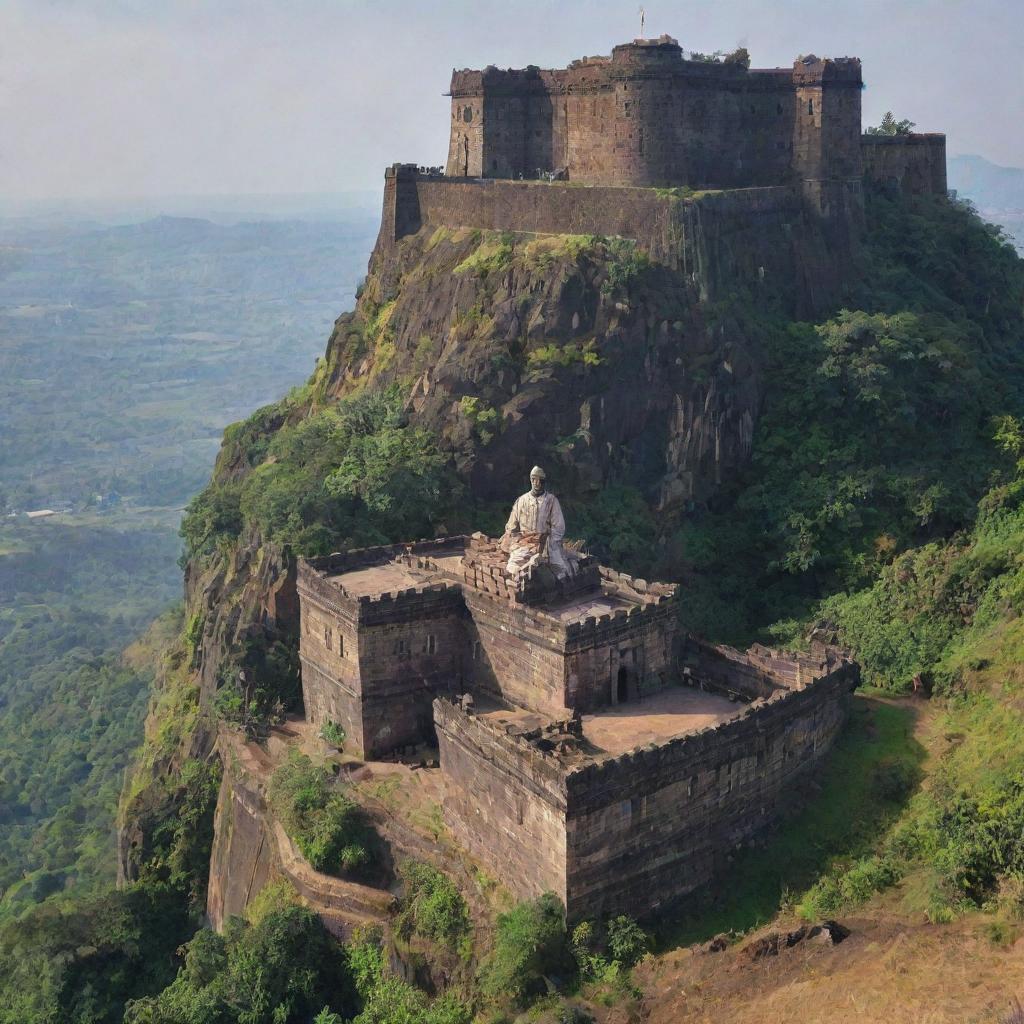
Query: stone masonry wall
pixel 640 829
pixel 504 802
pixel 914 164
pixel 645 116
pixel 655 823
pixel 516 654
pixel 374 665
pixel 404 664
pixel 761 239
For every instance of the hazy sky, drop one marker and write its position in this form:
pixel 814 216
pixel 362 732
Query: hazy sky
pixel 158 97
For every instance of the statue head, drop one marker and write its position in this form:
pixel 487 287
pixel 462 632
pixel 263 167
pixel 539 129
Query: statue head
pixel 537 480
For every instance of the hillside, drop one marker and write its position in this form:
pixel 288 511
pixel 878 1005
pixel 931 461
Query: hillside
pixel 855 475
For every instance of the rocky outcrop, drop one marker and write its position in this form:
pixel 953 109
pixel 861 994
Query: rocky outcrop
pixel 251 850
pixel 513 348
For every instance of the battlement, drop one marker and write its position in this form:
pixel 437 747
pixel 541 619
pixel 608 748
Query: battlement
pixel 842 71
pixel 549 804
pixel 646 115
pixel 323 580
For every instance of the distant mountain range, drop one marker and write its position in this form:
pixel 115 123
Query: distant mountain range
pixel 998 192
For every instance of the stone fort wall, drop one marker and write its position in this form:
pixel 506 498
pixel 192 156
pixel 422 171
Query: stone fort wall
pixel 656 823
pixel 759 238
pixel 374 665
pixel 914 164
pixel 646 116
pixel 627 834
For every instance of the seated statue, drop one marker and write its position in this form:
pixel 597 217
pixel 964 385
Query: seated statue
pixel 535 530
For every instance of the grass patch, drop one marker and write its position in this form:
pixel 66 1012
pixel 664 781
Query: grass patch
pixel 843 821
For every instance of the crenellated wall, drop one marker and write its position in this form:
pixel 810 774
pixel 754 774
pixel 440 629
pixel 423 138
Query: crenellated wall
pixel 647 826
pixel 373 665
pixel 655 823
pixel 504 801
pixel 646 116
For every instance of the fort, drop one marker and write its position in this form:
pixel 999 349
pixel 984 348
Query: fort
pixel 576 740
pixel 624 145
pixel 584 747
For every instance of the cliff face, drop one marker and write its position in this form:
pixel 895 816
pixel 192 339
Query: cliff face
pixel 511 349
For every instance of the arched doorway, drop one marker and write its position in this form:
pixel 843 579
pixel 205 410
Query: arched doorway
pixel 622 686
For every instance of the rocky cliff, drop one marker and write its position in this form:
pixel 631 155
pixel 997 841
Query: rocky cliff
pixel 504 349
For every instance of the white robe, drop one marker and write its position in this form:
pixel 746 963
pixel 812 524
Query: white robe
pixel 538 514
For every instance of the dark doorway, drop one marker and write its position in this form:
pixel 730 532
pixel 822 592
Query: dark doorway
pixel 622 686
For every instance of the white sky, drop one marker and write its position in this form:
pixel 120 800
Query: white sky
pixel 131 98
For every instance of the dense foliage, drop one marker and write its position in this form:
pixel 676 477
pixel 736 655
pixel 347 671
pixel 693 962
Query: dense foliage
pixel 280 966
pixel 327 826
pixel 351 474
pixel 432 905
pixel 877 434
pixel 77 963
pixel 530 945
pixel 949 615
pixel 71 707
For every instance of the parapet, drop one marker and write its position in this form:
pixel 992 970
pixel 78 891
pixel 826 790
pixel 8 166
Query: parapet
pixel 812 70
pixel 323 579
pixel 825 677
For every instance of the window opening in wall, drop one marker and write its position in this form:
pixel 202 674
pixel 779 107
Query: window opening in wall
pixel 341 646
pixel 401 647
pixel 691 786
pixel 476 650
pixel 430 644
pixel 328 637
pixel 810 106
pixel 622 686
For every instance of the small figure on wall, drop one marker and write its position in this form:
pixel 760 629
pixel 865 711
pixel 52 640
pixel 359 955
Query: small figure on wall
pixel 535 529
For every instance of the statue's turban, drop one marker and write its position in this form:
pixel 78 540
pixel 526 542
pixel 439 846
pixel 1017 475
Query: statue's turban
pixel 537 471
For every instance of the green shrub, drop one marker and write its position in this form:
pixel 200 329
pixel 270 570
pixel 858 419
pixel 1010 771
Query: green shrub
pixel 327 827
pixel 570 354
pixel 530 944
pixel 281 968
pixel 604 953
pixel 393 1001
pixel 627 941
pixel 432 905
pixel 332 733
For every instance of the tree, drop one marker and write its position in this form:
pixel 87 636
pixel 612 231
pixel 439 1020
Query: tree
pixel 890 126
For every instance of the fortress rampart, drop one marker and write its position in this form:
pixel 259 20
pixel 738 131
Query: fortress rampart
pixel 717 241
pixel 647 116
pixel 644 826
pixel 913 164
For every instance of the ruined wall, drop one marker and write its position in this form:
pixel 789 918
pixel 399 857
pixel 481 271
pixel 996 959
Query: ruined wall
pixel 504 803
pixel 914 164
pixel 655 823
